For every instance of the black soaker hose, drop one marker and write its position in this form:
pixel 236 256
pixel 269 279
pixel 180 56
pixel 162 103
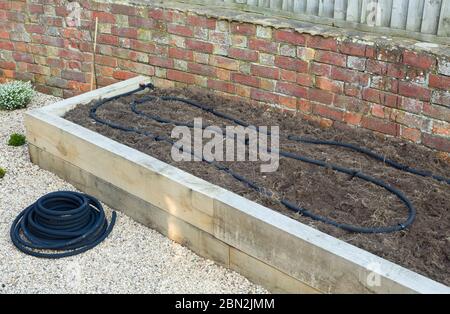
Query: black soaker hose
pixel 254 186
pixel 63 221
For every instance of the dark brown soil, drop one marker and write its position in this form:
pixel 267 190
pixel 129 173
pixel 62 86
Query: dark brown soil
pixel 424 247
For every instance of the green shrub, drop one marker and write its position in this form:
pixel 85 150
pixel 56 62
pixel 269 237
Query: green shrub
pixel 2 172
pixel 15 95
pixel 16 139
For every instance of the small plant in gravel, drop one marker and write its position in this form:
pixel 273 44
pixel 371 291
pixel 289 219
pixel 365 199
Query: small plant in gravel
pixel 16 139
pixel 2 172
pixel 15 95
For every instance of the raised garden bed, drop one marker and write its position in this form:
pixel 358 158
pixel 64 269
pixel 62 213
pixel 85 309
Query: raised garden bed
pixel 270 248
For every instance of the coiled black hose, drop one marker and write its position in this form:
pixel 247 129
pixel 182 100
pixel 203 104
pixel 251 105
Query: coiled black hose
pixel 254 186
pixel 63 221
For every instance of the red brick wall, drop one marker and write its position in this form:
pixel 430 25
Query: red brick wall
pixel 386 89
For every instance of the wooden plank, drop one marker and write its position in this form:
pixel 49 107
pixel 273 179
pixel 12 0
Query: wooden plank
pixel 312 7
pixel 300 6
pixel 252 2
pixel 354 11
pixel 288 5
pixel 326 8
pixel 430 19
pixel 368 12
pixel 264 3
pixel 399 14
pixel 384 13
pixel 415 13
pixel 340 9
pixel 276 4
pixel 444 20
pixel 266 275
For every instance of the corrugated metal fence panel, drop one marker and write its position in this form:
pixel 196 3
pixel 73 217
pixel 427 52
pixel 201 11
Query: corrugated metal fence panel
pixel 422 16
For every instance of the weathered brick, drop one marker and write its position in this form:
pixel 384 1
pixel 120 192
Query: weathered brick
pixel 321 42
pixel 441 128
pixel 350 76
pixel 436 112
pixel 243 54
pixel 243 29
pixel 201 69
pixel 414 91
pixel 327 112
pixel 355 49
pixel 396 71
pixel 263 32
pixel 352 118
pixel 292 89
pixel 123 75
pixel 180 53
pixel 104 17
pixel 321 96
pixel 123 9
pixel 287 75
pixel 441 98
pixel 8 65
pixel 389 54
pixel 291 64
pixel 74 76
pixel 201 21
pixel 377 67
pixel 325 83
pixel 410 104
pixel 180 30
pixel 331 58
pixel 351 89
pixel 23 57
pixel 444 67
pixel 161 62
pixel 419 60
pixel 320 69
pixel 222 86
pixel 263 45
pixel 264 96
pixel 379 97
pixel 268 72
pixel 356 63
pixel 244 79
pixel 108 39
pixel 146 23
pixel 412 120
pixel 439 81
pixel 306 54
pixel 127 32
pixel 380 125
pixel 106 60
pixel 224 62
pixel 436 142
pixel 304 79
pixel 410 134
pixel 288 36
pixel 198 45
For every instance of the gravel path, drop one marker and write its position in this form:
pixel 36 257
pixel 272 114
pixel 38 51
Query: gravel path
pixel 133 259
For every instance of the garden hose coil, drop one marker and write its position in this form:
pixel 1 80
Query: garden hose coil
pixel 68 222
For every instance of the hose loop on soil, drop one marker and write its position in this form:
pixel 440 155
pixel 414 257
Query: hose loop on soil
pixel 289 205
pixel 63 221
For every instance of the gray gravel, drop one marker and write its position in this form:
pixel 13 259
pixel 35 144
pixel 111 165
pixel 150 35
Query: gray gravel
pixel 133 259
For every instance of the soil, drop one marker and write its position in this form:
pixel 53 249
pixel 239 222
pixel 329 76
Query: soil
pixel 424 247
